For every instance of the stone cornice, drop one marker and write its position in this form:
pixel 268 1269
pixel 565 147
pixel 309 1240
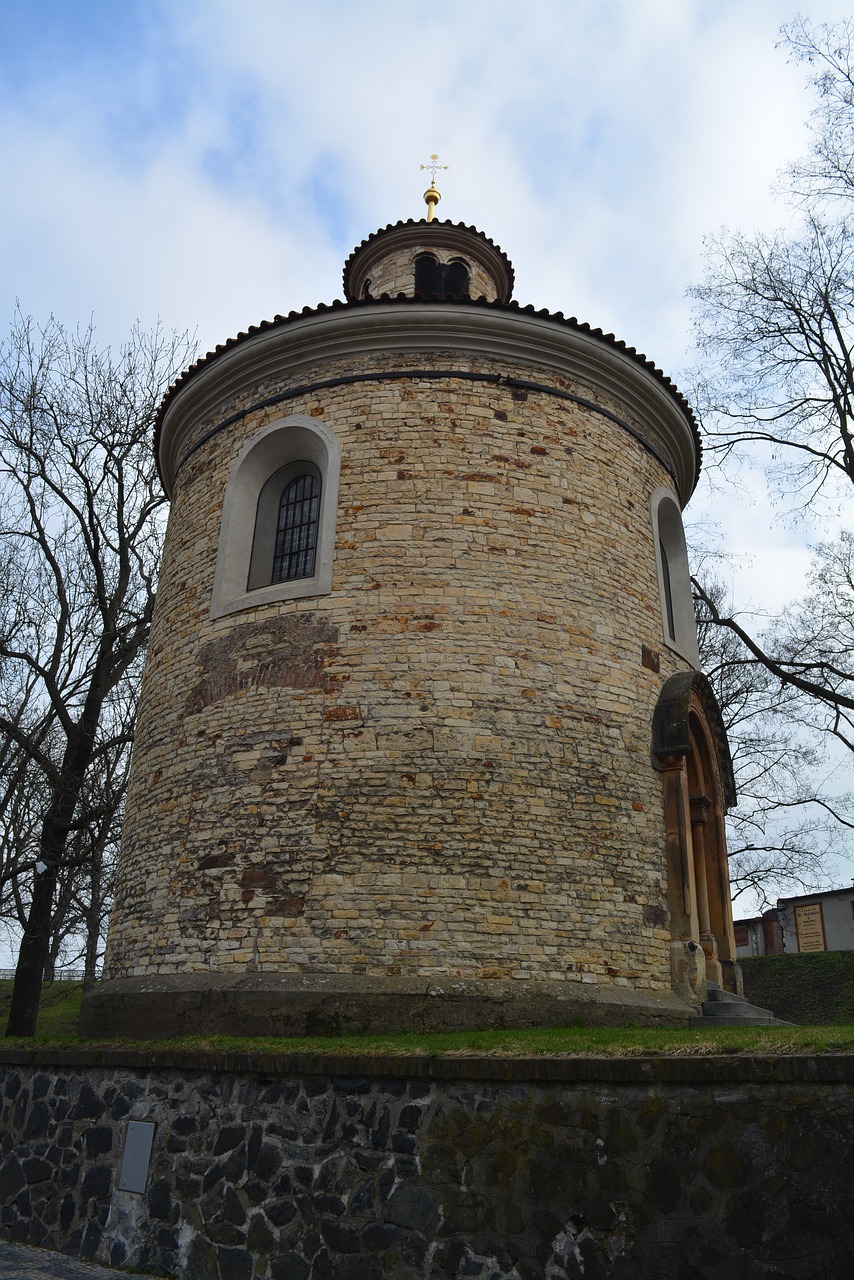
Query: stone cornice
pixel 521 339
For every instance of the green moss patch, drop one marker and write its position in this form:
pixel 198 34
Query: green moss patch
pixel 805 987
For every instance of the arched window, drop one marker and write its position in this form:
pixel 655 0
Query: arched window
pixel 441 279
pixel 296 529
pixel 278 523
pixel 457 279
pixel 667 591
pixel 426 276
pixel 674 579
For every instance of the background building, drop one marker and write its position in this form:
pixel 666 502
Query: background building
pixel 812 922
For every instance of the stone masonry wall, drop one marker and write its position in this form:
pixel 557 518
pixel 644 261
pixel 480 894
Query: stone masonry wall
pixel 394 273
pixel 442 768
pixel 421 1169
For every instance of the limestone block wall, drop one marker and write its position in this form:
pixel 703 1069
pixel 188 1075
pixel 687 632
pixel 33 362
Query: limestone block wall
pixel 442 768
pixel 436 1169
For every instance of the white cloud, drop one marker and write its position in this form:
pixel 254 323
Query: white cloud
pixel 213 164
pixel 221 169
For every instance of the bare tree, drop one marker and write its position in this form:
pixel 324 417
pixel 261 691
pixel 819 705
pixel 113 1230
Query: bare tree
pixel 808 651
pixel 774 318
pixel 827 172
pixel 80 532
pixel 85 881
pixel 775 325
pixel 790 813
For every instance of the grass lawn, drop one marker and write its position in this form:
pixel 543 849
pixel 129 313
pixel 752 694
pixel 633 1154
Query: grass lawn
pixel 57 1026
pixel 58 1010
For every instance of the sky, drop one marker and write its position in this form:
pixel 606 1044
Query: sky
pixel 210 164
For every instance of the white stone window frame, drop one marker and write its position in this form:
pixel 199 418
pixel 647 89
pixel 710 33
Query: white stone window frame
pixel 668 532
pixel 276 448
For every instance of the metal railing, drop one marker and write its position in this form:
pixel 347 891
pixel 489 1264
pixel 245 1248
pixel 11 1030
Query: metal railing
pixel 63 975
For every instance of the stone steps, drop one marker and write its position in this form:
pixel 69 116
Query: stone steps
pixel 724 1009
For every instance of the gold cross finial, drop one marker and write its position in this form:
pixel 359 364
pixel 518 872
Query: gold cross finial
pixel 433 166
pixel 431 195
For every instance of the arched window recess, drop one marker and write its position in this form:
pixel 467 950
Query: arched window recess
pixel 278 524
pixel 441 279
pixel 679 624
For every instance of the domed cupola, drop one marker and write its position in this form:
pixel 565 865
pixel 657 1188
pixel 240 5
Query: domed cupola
pixel 432 259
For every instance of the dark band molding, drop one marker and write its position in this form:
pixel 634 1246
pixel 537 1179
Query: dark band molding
pixel 390 334
pixel 392 375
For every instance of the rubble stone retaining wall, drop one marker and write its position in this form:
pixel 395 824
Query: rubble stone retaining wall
pixel 296 1168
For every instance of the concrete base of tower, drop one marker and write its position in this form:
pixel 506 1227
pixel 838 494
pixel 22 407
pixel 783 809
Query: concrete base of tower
pixel 313 1004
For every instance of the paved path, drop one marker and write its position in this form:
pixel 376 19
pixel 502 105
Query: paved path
pixel 22 1262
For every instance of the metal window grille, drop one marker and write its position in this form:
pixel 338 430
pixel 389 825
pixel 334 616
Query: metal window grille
pixel 296 530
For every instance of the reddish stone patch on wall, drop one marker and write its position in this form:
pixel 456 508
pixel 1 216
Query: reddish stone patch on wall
pixel 278 903
pixel 650 659
pixel 285 652
pixel 335 714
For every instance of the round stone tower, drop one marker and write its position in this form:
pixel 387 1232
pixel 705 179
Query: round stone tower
pixel 422 742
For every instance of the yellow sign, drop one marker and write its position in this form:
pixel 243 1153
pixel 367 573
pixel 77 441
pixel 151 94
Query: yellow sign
pixel 809 922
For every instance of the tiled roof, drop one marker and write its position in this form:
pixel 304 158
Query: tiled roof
pixel 554 317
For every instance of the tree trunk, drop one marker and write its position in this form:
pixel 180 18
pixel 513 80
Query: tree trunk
pixel 27 988
pixel 35 944
pixel 93 918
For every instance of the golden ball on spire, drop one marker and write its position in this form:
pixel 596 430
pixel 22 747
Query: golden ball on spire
pixel 431 199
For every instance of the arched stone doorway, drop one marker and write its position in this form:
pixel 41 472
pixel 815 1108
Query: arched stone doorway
pixel 691 750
